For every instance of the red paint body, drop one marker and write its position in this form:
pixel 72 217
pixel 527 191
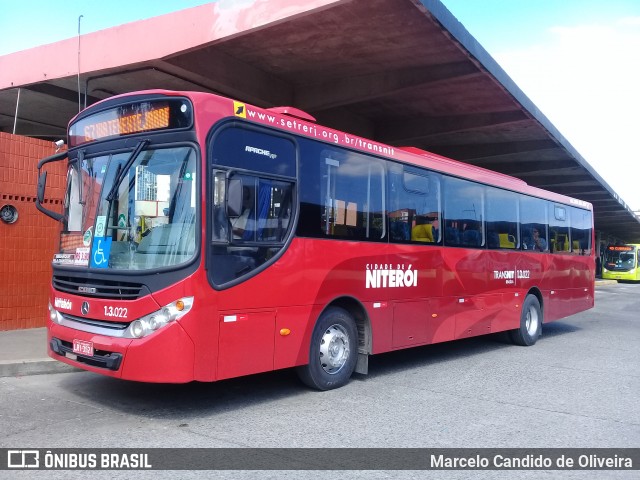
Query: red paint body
pixel 456 293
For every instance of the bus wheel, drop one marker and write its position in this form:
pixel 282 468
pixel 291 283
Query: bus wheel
pixel 333 351
pixel 530 323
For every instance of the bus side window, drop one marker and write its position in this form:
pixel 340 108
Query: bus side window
pixel 414 205
pixel 353 190
pixel 581 231
pixel 463 212
pixel 265 210
pixel 533 224
pixel 558 229
pixel 502 219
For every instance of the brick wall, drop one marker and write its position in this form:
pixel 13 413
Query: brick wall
pixel 27 246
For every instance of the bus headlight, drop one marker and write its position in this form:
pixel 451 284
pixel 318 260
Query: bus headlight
pixel 54 315
pixel 154 321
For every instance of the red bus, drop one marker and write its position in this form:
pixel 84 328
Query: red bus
pixel 204 238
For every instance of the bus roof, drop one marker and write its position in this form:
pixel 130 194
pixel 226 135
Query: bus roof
pixel 296 121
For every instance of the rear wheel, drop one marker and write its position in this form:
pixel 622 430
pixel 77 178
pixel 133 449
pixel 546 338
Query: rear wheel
pixel 530 323
pixel 333 351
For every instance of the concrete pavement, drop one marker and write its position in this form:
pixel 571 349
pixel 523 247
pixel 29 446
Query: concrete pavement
pixel 24 352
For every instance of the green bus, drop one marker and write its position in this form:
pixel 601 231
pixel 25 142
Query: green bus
pixel 622 262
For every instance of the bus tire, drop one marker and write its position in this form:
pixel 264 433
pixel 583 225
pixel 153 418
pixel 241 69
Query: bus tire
pixel 333 351
pixel 530 323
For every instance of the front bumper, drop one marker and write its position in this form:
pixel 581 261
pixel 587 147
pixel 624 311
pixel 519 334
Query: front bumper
pixel 167 356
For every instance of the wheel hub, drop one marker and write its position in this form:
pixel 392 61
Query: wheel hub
pixel 532 321
pixel 334 349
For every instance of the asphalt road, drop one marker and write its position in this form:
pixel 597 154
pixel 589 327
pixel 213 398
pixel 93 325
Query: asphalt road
pixel 577 387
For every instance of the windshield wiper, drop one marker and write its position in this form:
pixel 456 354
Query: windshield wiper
pixel 78 166
pixel 125 169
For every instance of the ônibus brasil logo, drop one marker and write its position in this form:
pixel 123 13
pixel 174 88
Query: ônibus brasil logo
pixel 386 276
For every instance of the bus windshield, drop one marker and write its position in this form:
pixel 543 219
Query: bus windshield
pixel 132 210
pixel 620 258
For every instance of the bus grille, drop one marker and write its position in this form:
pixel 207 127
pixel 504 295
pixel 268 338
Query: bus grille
pixel 618 269
pixel 115 326
pixel 98 288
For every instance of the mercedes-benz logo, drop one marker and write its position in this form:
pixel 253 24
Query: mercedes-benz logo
pixel 84 308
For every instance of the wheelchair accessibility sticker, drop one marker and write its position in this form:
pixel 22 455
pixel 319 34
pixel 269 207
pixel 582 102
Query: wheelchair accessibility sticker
pixel 100 252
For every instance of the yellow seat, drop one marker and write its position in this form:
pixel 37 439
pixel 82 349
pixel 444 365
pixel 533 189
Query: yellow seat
pixel 507 241
pixel 563 242
pixel 422 233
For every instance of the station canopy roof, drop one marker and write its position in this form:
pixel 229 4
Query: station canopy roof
pixel 403 72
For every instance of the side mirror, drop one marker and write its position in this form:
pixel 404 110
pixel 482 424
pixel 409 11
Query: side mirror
pixel 234 198
pixel 42 182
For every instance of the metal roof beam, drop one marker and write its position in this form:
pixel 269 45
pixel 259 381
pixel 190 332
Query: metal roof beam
pixel 601 195
pixel 484 150
pixel 572 191
pixel 35 128
pixel 225 74
pixel 559 181
pixel 528 167
pixel 349 90
pixel 618 222
pixel 406 129
pixel 59 92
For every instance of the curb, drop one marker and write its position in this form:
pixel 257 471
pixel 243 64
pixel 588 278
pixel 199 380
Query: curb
pixel 34 367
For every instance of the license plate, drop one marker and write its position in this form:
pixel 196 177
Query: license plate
pixel 83 348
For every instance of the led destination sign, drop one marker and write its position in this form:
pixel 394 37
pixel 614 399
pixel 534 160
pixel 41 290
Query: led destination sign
pixel 130 119
pixel 620 249
pixel 134 123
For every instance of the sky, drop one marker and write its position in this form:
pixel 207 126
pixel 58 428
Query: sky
pixel 577 60
pixel 579 63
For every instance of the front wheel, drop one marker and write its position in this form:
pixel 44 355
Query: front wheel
pixel 333 351
pixel 530 323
